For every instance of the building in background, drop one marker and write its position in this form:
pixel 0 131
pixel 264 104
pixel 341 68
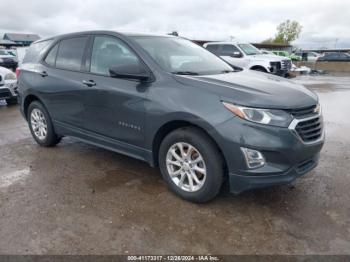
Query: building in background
pixel 21 39
pixel 7 43
pixel 274 47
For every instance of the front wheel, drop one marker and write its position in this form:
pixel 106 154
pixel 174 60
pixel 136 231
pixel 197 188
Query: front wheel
pixel 40 125
pixel 259 69
pixel 191 164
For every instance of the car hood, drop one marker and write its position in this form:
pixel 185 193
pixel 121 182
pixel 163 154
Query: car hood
pixel 7 56
pixel 4 71
pixel 255 89
pixel 265 57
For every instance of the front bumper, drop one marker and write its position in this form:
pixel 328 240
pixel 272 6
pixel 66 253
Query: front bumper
pixel 240 183
pixel 278 71
pixel 286 156
pixel 8 90
pixel 281 72
pixel 10 64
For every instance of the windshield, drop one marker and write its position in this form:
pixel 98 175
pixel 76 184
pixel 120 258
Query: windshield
pixel 248 49
pixel 180 56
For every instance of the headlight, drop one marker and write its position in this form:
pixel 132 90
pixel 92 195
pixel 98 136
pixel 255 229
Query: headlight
pixel 10 76
pixel 262 116
pixel 275 64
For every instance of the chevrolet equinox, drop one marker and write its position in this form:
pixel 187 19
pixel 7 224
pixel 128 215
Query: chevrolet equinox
pixel 172 103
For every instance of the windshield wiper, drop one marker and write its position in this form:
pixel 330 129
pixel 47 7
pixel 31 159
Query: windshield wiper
pixel 185 73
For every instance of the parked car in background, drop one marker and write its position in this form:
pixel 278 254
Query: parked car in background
pixel 8 86
pixel 308 56
pixel 248 56
pixel 335 56
pixel 11 52
pixel 266 52
pixel 293 57
pixel 170 102
pixel 7 60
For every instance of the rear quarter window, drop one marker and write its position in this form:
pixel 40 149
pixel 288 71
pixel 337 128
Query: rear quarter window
pixel 70 53
pixel 35 51
pixel 51 56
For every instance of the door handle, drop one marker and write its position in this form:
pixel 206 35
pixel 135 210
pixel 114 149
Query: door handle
pixel 89 83
pixel 43 74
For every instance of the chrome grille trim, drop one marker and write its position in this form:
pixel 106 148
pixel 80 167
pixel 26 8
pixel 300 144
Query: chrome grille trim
pixel 303 112
pixel 286 64
pixel 313 124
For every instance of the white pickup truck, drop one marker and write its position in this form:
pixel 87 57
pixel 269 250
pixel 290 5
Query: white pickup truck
pixel 8 86
pixel 248 56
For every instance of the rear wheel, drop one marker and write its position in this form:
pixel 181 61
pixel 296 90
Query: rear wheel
pixel 40 125
pixel 191 164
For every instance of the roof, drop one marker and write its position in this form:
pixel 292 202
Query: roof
pixel 127 34
pixel 144 34
pixel 6 42
pixel 270 45
pixel 22 37
pixel 221 43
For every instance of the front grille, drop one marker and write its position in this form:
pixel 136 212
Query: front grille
pixel 310 130
pixel 5 93
pixel 7 59
pixel 286 64
pixel 303 112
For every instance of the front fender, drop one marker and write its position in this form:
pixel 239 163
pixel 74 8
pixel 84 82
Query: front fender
pixel 263 64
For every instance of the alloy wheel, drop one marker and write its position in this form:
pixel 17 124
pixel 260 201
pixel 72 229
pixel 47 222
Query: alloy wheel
pixel 186 167
pixel 38 123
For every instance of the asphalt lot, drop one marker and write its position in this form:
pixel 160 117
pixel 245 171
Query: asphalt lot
pixel 79 199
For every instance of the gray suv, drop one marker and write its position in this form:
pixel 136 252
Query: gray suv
pixel 172 103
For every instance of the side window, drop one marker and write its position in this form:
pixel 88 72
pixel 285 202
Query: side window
pixel 228 50
pixel 70 53
pixel 34 52
pixel 51 56
pixel 107 52
pixel 212 48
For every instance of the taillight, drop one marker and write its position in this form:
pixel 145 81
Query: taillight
pixel 18 71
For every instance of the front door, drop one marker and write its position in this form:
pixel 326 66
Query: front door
pixel 233 55
pixel 114 107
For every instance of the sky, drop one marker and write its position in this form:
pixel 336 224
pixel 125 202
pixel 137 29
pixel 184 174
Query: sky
pixel 326 23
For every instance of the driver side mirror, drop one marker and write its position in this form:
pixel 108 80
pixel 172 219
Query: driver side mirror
pixel 130 71
pixel 236 54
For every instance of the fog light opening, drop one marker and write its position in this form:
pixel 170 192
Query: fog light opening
pixel 253 158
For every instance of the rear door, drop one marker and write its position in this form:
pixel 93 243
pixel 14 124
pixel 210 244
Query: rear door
pixel 114 106
pixel 61 81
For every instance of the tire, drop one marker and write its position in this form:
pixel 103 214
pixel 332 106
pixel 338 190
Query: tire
pixel 203 148
pixel 50 138
pixel 259 69
pixel 12 101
